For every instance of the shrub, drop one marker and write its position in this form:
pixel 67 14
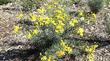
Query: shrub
pixel 30 4
pixel 4 2
pixel 50 25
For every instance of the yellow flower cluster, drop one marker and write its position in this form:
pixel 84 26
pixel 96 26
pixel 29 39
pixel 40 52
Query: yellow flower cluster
pixel 43 58
pixel 20 15
pixel 57 19
pixel 59 28
pixel 16 29
pixel 81 13
pixel 60 19
pixel 80 31
pixel 85 17
pixel 44 20
pixel 90 57
pixel 90 51
pixel 41 10
pixel 60 53
pixel 32 17
pixel 30 34
pixel 48 58
pixel 65 48
pixel 94 15
pixel 73 22
pixel 51 58
pixel 50 15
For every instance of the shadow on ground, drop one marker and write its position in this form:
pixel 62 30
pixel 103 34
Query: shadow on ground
pixel 20 55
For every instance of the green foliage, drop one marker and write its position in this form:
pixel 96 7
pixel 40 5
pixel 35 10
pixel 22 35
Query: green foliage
pixel 95 5
pixel 58 50
pixel 90 49
pixel 4 2
pixel 50 25
pixel 30 4
pixel 106 3
pixel 107 22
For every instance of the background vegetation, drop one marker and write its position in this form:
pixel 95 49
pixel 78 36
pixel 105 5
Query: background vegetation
pixel 4 1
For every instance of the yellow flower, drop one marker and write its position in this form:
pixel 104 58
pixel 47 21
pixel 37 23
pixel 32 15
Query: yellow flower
pixel 90 57
pixel 53 22
pixel 32 17
pixel 41 10
pixel 35 31
pixel 51 58
pixel 47 20
pixel 81 13
pixel 20 15
pixel 61 23
pixel 62 43
pixel 29 35
pixel 67 49
pixel 41 23
pixel 16 29
pixel 60 53
pixel 58 11
pixel 80 31
pixel 40 18
pixel 58 16
pixel 36 24
pixel 94 15
pixel 73 22
pixel 59 29
pixel 91 48
pixel 49 6
pixel 43 58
